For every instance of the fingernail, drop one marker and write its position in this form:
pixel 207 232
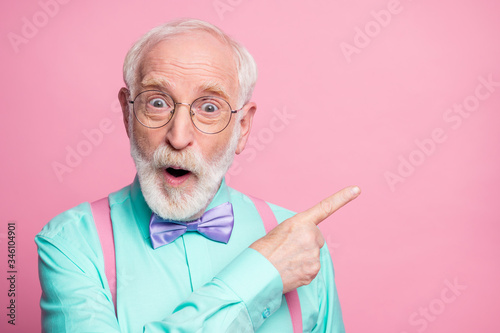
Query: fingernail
pixel 355 190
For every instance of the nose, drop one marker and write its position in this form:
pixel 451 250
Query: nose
pixel 180 129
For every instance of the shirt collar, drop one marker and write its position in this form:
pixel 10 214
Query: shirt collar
pixel 142 212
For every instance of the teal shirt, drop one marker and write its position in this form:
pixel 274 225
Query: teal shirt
pixel 190 285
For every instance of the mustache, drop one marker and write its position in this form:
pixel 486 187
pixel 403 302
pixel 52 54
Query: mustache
pixel 187 159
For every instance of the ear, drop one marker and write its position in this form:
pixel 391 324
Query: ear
pixel 123 97
pixel 246 125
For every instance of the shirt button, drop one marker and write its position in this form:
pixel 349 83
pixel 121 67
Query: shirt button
pixel 266 313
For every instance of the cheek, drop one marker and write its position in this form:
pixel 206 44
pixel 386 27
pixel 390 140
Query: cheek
pixel 214 147
pixel 147 142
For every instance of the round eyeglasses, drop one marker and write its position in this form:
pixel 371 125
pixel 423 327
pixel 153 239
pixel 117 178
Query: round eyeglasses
pixel 209 114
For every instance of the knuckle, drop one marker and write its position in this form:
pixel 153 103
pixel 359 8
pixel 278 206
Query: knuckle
pixel 320 242
pixel 308 278
pixel 293 226
pixel 303 282
pixel 311 270
pixel 308 238
pixel 317 252
pixel 308 275
pixel 316 267
pixel 326 207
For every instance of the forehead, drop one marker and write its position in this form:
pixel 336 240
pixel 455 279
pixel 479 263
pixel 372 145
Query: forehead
pixel 194 60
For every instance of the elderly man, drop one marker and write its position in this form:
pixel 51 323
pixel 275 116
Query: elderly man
pixel 187 111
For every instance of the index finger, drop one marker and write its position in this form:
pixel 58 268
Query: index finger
pixel 330 205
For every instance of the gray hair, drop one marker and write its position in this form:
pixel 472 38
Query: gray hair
pixel 245 64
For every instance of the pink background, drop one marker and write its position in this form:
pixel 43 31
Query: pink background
pixel 352 119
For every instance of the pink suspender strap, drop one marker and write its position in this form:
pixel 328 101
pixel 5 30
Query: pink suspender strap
pixel 102 220
pixel 292 297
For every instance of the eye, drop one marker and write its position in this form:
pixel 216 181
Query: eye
pixel 158 103
pixel 209 107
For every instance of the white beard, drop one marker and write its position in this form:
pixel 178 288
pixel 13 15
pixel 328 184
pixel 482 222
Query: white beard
pixel 181 204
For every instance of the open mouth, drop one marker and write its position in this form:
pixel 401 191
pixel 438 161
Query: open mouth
pixel 177 172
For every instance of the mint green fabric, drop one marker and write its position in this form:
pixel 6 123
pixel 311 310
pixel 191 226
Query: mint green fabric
pixel 191 285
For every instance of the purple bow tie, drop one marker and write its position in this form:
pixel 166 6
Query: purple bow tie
pixel 215 224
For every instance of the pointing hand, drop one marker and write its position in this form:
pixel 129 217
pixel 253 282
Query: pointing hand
pixel 294 245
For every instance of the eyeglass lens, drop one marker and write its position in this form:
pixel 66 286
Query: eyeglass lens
pixel 154 109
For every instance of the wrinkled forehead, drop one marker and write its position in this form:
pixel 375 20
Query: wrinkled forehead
pixel 195 55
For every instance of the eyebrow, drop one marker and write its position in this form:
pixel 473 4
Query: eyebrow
pixel 159 82
pixel 210 86
pixel 216 88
